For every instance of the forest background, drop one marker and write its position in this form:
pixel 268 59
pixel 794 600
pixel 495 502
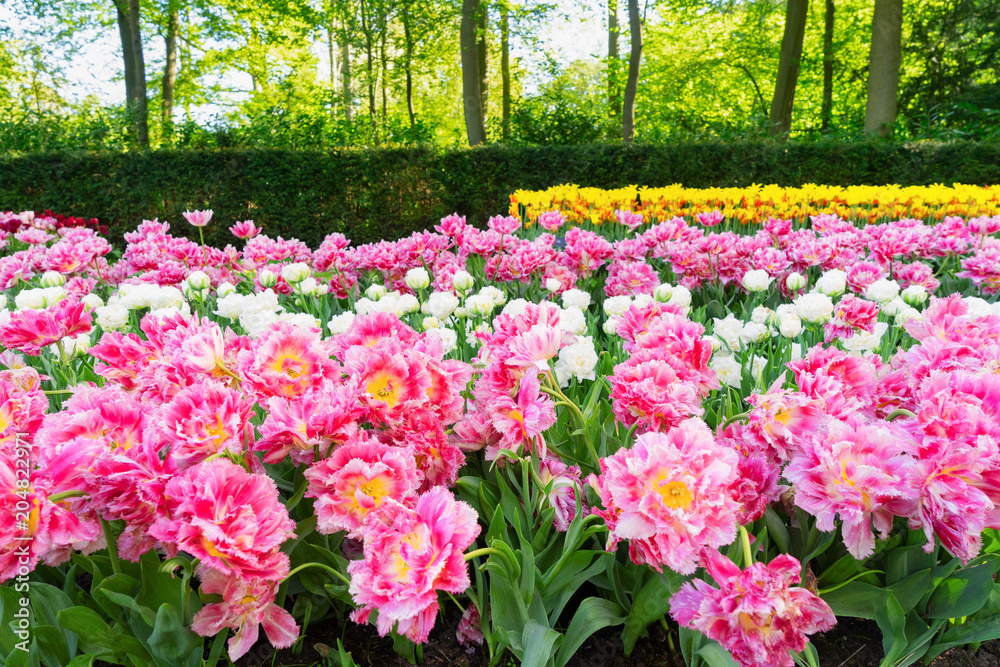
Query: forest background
pixel 450 73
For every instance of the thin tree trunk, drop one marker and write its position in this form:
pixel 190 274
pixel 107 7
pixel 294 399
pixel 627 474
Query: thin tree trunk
pixel 128 56
pixel 614 64
pixel 366 28
pixel 788 68
pixel 472 99
pixel 634 62
pixel 141 112
pixel 170 69
pixel 482 49
pixel 345 66
pixel 826 110
pixel 407 63
pixel 331 51
pixel 505 67
pixel 384 74
pixel 883 67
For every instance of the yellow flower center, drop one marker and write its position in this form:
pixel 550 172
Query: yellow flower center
pixel 218 431
pixel 676 495
pixel 382 388
pixel 210 548
pixel 375 489
pixel 288 364
pixel 517 415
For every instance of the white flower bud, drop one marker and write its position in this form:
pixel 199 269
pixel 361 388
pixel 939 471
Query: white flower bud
pixel 417 279
pixel 267 278
pixel 295 273
pixel 832 283
pixel 663 292
pixel 795 281
pixel 376 291
pixel 199 281
pixel 757 280
pixel 882 290
pixel 52 279
pixel 462 281
pixel 789 325
pixel 914 295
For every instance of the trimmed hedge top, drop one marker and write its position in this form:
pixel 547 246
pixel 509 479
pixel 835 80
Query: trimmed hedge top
pixel 375 194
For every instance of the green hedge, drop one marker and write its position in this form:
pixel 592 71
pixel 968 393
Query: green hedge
pixel 373 194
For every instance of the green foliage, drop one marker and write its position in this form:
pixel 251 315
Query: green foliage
pixel 374 194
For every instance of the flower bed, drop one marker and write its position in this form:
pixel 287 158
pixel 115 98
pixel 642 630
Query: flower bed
pixel 757 203
pixel 556 429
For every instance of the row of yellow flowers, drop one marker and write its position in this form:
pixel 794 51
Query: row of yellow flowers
pixel 756 203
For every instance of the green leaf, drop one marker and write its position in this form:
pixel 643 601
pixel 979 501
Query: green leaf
pixel 94 632
pixel 856 599
pixel 892 621
pixel 158 587
pixel 82 661
pixel 46 601
pixel 113 588
pixel 507 609
pixel 983 626
pixel 652 602
pixel 909 591
pixel 405 648
pixel 19 658
pixel 690 641
pixel 51 643
pixel 172 643
pixel 592 615
pixel 963 593
pixel 778 531
pixel 715 655
pixel 539 643
pixel 10 604
pixel 98 637
pixel 904 561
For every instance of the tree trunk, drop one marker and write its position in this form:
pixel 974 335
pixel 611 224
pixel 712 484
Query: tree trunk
pixel 170 69
pixel 482 49
pixel 331 51
pixel 141 112
pixel 345 65
pixel 634 62
pixel 614 64
pixel 366 28
pixel 883 67
pixel 505 67
pixel 826 110
pixel 384 69
pixel 788 68
pixel 408 63
pixel 128 56
pixel 472 99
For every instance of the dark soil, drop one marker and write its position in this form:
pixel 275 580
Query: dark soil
pixel 853 643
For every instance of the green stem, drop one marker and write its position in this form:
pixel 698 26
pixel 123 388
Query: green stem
pixel 481 552
pixel 824 591
pixel 56 392
pixel 56 497
pixel 457 604
pixel 217 645
pixel 736 418
pixel 747 553
pixel 901 412
pixel 329 569
pixel 116 566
